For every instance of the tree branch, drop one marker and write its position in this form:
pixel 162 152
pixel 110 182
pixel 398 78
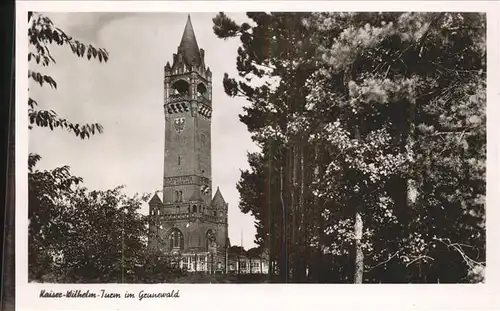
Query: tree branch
pixel 419 258
pixel 384 262
pixel 458 247
pixel 424 36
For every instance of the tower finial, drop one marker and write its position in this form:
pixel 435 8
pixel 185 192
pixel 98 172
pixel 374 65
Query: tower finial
pixel 189 46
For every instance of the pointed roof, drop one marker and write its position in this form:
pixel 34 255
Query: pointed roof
pixel 189 47
pixel 155 199
pixel 218 200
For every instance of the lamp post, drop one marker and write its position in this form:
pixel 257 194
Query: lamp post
pixel 195 261
pixel 188 239
pixel 211 263
pixel 226 260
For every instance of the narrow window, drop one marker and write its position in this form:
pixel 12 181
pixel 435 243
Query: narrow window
pixel 180 196
pixel 178 210
pixel 178 160
pixel 176 239
pixel 194 208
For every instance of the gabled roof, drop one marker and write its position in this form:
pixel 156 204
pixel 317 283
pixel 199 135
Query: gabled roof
pixel 155 200
pixel 218 199
pixel 189 47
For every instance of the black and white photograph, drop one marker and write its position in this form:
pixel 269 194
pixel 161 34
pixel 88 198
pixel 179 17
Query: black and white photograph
pixel 352 147
pixel 257 147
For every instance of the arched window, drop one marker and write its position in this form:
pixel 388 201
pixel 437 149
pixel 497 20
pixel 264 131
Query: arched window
pixel 176 239
pixel 181 87
pixel 194 208
pixel 178 196
pixel 201 89
pixel 209 239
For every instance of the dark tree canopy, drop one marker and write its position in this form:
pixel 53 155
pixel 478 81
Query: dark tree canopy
pixel 372 130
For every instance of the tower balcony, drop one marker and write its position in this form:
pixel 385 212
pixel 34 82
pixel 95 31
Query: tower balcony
pixel 176 216
pixel 203 99
pixel 189 216
pixel 178 97
pixel 175 98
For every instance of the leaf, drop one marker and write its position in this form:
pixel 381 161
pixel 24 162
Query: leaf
pixel 50 81
pixel 105 55
pixel 32 103
pixel 48 118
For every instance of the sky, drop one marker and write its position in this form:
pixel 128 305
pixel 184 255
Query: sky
pixel 125 95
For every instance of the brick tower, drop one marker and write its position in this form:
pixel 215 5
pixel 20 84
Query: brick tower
pixel 188 221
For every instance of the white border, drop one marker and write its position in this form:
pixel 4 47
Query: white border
pixel 267 296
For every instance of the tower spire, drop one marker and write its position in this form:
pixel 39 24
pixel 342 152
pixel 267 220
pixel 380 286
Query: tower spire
pixel 189 47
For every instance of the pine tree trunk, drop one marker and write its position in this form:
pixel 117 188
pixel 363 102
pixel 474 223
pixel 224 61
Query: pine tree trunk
pixel 303 236
pixel 359 261
pixel 315 219
pixel 293 243
pixel 270 264
pixel 283 262
pixel 271 237
pixel 358 234
pixel 411 187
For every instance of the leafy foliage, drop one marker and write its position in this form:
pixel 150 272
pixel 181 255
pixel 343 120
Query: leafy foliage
pixel 42 33
pixel 76 235
pixel 408 96
pixel 387 110
pixel 49 118
pixel 82 236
